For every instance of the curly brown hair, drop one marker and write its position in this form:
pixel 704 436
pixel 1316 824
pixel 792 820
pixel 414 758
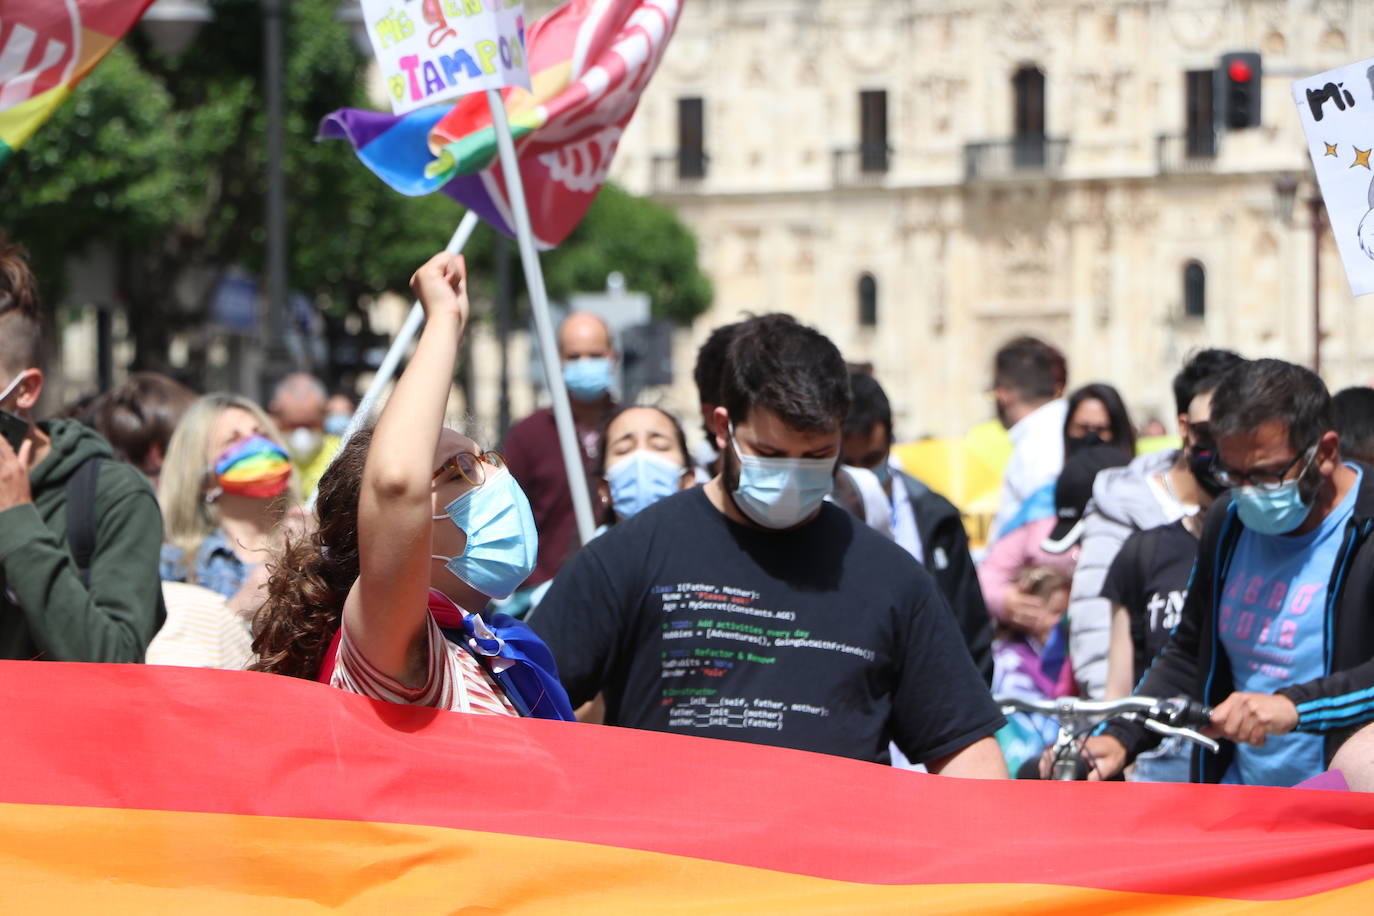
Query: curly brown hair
pixel 21 326
pixel 311 577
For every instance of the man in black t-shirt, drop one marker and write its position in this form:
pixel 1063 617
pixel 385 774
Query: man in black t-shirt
pixel 751 610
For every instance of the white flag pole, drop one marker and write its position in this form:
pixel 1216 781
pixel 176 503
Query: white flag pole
pixel 543 324
pixel 413 321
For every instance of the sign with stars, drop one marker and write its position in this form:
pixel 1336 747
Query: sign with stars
pixel 1337 113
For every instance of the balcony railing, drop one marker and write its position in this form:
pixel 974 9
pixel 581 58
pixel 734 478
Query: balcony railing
pixel 1019 157
pixel 1190 152
pixel 860 166
pixel 678 172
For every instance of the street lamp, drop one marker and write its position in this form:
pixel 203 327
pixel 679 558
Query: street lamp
pixel 172 25
pixel 1285 197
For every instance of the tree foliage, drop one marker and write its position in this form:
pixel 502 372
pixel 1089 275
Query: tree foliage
pixel 165 161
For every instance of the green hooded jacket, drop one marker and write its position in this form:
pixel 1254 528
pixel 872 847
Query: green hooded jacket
pixel 45 610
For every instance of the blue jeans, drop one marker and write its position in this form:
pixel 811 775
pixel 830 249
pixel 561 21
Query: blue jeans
pixel 1167 763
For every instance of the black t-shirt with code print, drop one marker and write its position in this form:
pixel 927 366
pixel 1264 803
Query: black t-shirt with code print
pixel 827 637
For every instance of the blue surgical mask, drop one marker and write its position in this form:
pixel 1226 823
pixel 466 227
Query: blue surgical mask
pixel 502 541
pixel 781 493
pixel 641 479
pixel 587 378
pixel 336 424
pixel 1274 511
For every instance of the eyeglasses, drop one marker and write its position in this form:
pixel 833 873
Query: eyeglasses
pixel 1262 480
pixel 470 466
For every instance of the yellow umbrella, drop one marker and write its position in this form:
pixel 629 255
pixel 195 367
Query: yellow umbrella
pixel 960 473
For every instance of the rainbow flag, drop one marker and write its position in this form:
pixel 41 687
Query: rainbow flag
pixel 589 62
pixel 138 788
pixel 46 48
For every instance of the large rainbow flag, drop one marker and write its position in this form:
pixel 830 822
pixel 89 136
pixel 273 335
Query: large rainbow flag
pixel 46 48
pixel 589 62
pixel 137 789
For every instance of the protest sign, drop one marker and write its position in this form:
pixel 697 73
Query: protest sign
pixel 1337 113
pixel 430 51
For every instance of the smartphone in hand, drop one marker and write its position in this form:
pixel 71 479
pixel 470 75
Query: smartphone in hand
pixel 13 428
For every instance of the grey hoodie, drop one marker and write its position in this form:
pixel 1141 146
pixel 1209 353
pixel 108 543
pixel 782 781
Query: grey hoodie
pixel 1123 503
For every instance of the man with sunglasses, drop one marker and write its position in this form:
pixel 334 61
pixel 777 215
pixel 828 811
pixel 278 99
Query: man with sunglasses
pixel 1276 632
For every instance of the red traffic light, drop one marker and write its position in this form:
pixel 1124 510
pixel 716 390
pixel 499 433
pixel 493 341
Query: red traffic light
pixel 1239 71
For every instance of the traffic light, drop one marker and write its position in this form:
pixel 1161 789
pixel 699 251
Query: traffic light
pixel 1238 89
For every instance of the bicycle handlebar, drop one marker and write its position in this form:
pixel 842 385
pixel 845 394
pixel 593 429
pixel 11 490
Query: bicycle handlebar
pixel 1174 711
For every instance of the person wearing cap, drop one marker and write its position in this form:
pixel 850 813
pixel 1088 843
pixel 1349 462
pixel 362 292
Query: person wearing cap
pixel 1030 661
pixel 1147 584
pixel 1096 416
pixel 1153 490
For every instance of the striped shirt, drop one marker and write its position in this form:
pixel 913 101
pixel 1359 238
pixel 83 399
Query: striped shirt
pixel 201 631
pixel 455 680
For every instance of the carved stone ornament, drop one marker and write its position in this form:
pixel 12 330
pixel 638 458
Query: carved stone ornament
pixel 1197 24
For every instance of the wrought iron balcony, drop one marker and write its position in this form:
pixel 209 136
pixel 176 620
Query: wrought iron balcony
pixel 1019 157
pixel 1190 152
pixel 860 166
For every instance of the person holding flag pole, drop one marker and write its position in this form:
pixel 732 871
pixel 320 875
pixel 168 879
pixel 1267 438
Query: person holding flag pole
pixel 591 59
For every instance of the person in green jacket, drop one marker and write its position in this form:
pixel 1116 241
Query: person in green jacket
pixel 52 607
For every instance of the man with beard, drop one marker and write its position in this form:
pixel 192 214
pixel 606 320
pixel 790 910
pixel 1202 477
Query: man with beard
pixel 1275 632
pixel 752 610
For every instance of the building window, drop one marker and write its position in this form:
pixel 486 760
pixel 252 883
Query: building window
pixel 868 301
pixel 873 130
pixel 1200 136
pixel 1194 290
pixel 1028 89
pixel 691 138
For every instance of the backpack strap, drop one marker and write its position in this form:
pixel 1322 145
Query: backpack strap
pixel 81 490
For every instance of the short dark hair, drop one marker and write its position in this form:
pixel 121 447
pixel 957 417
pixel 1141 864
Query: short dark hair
pixel 1201 374
pixel 788 368
pixel 868 405
pixel 606 428
pixel 711 363
pixel 1353 412
pixel 1030 367
pixel 1265 390
pixel 1123 432
pixel 21 325
pixel 140 414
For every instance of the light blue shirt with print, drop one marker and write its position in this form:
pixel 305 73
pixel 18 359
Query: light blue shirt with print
pixel 1273 627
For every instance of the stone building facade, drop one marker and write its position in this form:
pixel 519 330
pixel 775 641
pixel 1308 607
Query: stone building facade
pixel 924 180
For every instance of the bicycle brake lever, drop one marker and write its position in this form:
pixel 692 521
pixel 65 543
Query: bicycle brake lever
pixel 1186 733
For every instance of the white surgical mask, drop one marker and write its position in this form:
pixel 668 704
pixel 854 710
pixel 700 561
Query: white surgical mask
pixel 304 443
pixel 14 383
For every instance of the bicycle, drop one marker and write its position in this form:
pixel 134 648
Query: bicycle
pixel 1076 718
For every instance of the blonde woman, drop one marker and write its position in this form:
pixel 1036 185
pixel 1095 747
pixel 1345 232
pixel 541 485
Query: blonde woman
pixel 227 488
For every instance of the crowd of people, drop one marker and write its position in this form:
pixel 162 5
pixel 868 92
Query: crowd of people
pixel 786 583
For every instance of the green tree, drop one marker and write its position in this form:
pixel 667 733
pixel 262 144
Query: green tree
pixel 643 240
pixel 165 160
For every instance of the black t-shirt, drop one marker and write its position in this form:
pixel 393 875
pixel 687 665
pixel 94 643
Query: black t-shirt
pixel 1150 578
pixel 825 638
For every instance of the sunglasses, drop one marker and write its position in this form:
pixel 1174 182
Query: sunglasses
pixel 469 466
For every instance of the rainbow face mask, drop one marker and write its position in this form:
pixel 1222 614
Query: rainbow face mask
pixel 255 467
